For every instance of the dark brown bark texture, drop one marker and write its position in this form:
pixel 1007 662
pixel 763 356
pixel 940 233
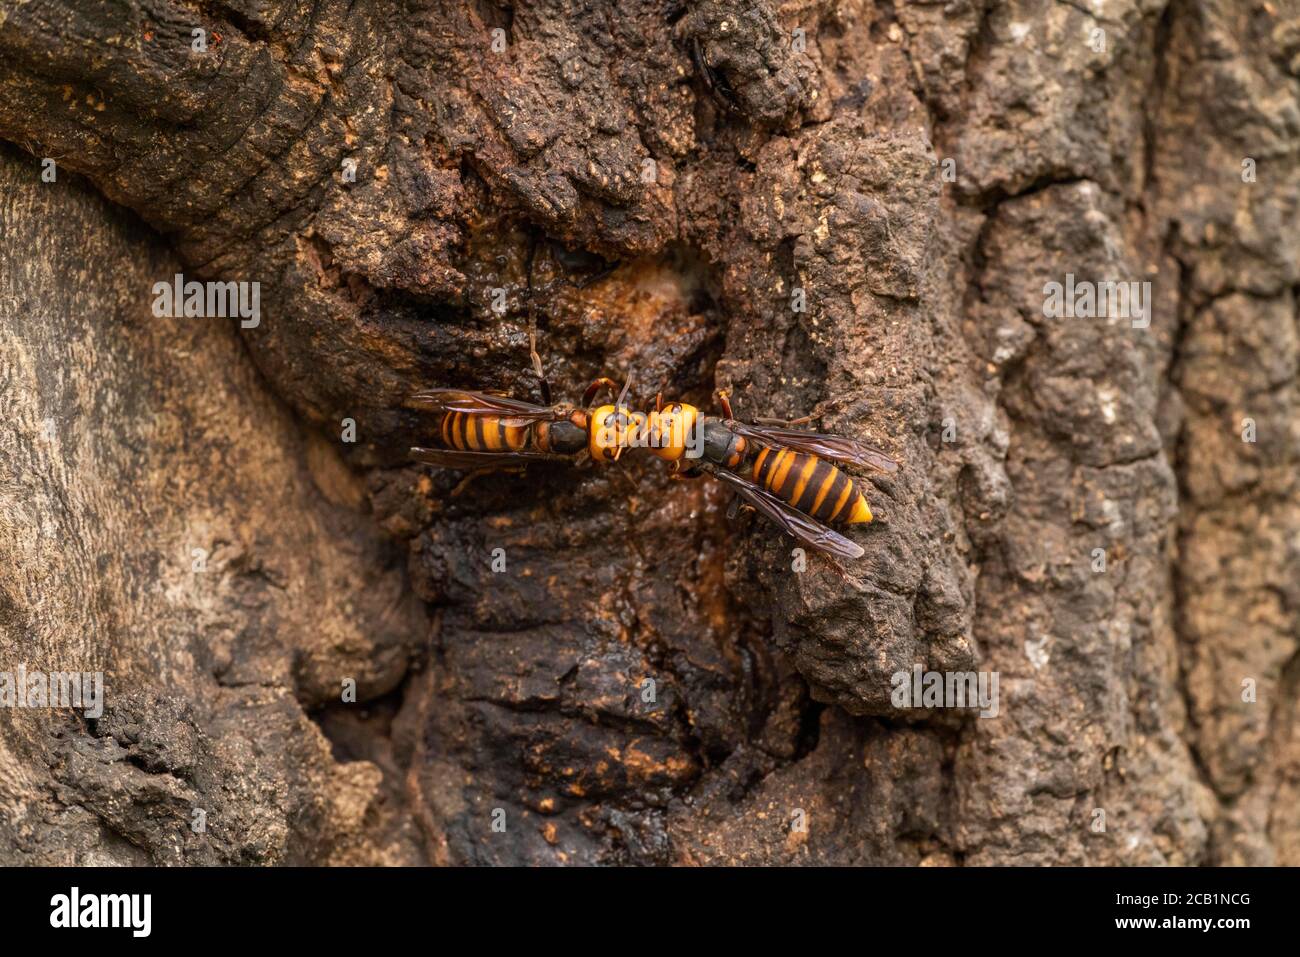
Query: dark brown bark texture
pixel 657 184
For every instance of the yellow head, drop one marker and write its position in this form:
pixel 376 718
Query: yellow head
pixel 613 429
pixel 672 430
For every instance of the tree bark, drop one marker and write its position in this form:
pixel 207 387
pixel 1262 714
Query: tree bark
pixel 851 208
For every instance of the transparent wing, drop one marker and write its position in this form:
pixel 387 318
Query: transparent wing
pixel 514 411
pixel 457 459
pixel 834 447
pixel 805 529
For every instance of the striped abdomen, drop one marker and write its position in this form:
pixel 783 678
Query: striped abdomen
pixel 812 485
pixel 482 433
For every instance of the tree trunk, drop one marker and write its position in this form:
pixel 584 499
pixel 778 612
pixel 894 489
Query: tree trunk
pixel 852 209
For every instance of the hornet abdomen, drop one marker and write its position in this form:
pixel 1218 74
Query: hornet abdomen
pixel 482 433
pixel 811 485
pixel 470 432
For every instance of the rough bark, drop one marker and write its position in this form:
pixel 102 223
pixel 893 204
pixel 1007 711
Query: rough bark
pixel 655 183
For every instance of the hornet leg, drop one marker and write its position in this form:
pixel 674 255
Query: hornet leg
pixel 594 389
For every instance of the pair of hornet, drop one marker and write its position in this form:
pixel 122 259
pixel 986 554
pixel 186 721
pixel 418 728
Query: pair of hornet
pixel 790 475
